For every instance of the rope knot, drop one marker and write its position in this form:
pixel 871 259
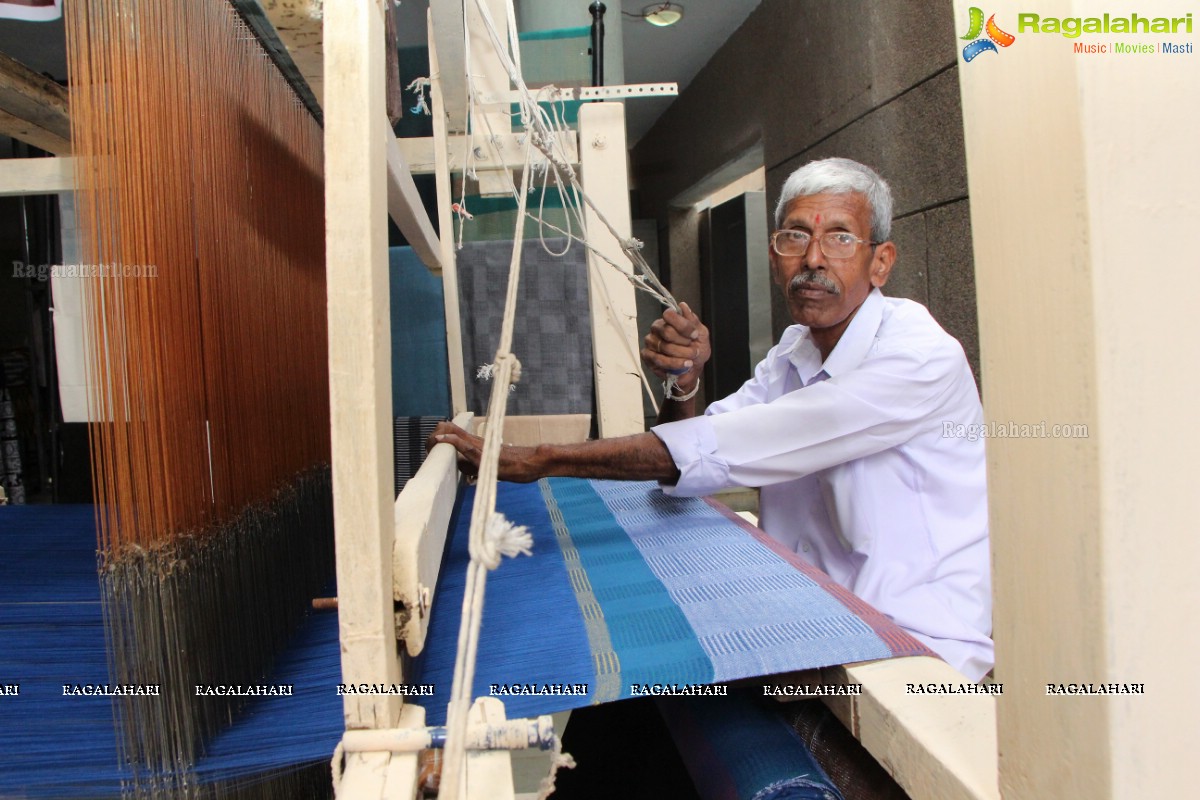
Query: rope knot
pixel 502 538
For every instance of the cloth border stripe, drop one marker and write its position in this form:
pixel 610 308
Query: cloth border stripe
pixel 607 663
pixel 899 641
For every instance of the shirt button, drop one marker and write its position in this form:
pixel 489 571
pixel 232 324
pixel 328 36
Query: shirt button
pixel 806 548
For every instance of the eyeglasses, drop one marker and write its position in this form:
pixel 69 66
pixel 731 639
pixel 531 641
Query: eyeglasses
pixel 835 244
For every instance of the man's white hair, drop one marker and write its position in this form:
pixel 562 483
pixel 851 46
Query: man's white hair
pixel 839 176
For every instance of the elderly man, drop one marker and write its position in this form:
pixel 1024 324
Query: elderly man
pixel 841 425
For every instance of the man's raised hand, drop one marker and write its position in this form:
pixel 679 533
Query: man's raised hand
pixel 677 344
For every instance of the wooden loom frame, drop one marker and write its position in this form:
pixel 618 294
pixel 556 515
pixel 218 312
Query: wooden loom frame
pixel 942 750
pixel 938 750
pixel 389 561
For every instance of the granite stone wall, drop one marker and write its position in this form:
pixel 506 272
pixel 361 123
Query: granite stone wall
pixel 806 79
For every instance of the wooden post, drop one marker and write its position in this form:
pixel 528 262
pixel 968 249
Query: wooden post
pixel 454 348
pixel 604 169
pixel 1082 193
pixel 360 353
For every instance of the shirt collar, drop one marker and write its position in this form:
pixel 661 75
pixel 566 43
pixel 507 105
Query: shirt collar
pixel 856 340
pixel 850 350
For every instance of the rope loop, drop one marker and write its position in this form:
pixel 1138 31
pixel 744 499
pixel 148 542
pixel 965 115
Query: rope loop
pixel 501 538
pixel 672 391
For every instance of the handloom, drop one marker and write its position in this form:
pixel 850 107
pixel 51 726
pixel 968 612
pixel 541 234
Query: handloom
pixel 209 398
pixel 681 592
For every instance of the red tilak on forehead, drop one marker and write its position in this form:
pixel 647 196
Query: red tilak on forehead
pixel 818 222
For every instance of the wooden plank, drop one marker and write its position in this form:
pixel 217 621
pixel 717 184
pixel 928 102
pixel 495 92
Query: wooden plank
pixel 446 36
pixel 938 747
pixel 298 25
pixel 262 26
pixel 454 347
pixel 420 153
pixel 536 429
pixel 490 79
pixel 360 354
pixel 25 176
pixel 422 522
pixel 33 108
pixel 405 206
pixel 489 76
pixel 489 772
pixel 604 169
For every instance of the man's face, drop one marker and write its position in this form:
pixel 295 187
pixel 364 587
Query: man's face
pixel 823 292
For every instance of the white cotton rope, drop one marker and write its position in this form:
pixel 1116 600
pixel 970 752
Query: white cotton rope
pixel 491 535
pixel 541 131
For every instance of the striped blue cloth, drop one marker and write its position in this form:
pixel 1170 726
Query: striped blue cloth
pixel 629 590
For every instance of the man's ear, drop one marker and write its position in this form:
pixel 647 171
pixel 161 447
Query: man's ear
pixel 776 276
pixel 881 263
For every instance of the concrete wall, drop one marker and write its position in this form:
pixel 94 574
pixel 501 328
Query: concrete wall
pixel 805 79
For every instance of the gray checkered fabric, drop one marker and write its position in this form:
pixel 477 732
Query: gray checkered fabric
pixel 552 337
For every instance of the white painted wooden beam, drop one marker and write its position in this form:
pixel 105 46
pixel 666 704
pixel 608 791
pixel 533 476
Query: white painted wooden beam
pixel 422 520
pixel 360 354
pixel 1082 176
pixel 454 347
pixel 604 170
pixel 406 207
pixel 298 25
pixel 421 156
pixel 25 176
pixel 447 38
pixel 382 774
pixel 938 747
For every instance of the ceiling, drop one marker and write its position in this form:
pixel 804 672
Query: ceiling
pixel 651 54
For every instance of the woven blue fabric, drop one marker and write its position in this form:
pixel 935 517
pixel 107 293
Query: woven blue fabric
pixel 650 635
pixel 531 631
pixel 751 612
pixel 52 633
pixel 630 588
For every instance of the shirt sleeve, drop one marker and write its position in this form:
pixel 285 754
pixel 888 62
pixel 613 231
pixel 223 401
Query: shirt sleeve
pixel 884 402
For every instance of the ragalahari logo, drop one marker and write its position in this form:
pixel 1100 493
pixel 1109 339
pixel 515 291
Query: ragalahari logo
pixel 995 36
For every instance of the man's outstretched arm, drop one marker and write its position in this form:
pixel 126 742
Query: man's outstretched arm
pixel 641 456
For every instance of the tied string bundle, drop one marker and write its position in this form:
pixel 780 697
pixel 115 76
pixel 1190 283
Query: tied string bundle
pixel 208 381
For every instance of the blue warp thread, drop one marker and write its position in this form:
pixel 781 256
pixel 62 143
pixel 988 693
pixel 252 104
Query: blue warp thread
pixel 52 633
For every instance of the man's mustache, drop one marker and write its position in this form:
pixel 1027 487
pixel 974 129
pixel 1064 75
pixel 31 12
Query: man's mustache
pixel 810 278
